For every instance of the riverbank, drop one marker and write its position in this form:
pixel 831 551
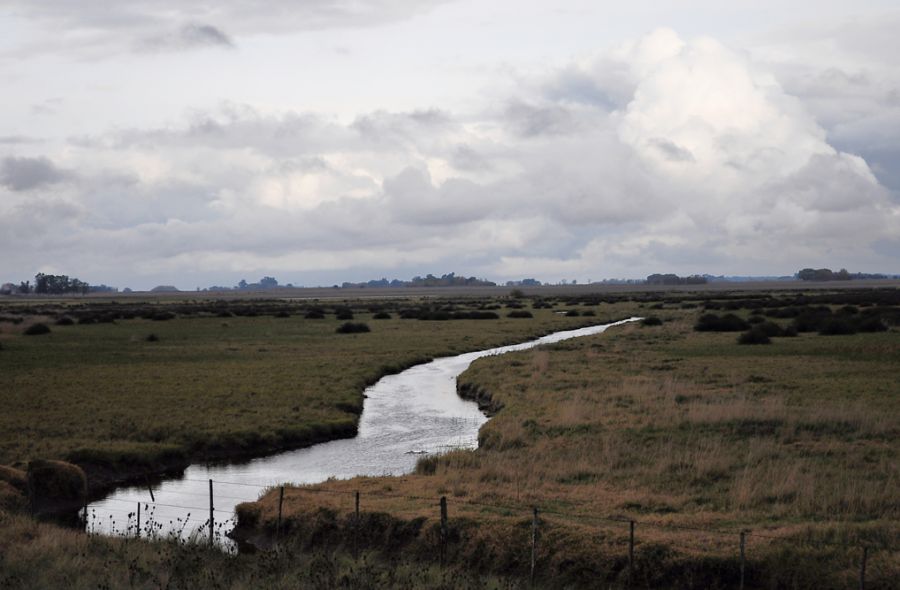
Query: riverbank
pixel 131 391
pixel 689 434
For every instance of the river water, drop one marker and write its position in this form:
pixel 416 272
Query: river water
pixel 407 415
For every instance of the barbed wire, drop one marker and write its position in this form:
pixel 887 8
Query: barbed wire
pixel 517 507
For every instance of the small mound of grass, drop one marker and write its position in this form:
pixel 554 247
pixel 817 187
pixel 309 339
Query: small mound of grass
pixel 520 313
pixel 755 335
pixel 651 321
pixel 352 328
pixel 381 315
pixel 37 329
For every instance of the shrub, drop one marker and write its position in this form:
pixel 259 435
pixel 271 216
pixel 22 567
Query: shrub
pixel 837 327
pixel 37 330
pixel 56 482
pixel 651 321
pixel 162 316
pixel 65 321
pixel 314 314
pixel 152 338
pixel 770 329
pixel 282 314
pixel 588 313
pixel 572 313
pixel 729 322
pixel 754 336
pixel 352 328
pixel 381 315
pixel 343 314
pixel 871 324
pixel 519 313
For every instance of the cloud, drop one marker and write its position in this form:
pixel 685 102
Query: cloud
pixel 189 36
pixel 22 174
pixel 100 28
pixel 663 154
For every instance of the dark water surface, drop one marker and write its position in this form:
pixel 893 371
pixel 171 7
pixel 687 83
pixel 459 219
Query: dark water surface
pixel 404 416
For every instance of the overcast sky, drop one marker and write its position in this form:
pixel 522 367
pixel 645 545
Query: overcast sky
pixel 147 142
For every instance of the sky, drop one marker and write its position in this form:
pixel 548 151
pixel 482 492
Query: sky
pixel 148 142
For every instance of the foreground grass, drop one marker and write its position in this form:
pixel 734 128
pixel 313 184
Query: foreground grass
pixel 43 556
pixel 686 432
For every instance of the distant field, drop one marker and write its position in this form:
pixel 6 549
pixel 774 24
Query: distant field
pixel 211 380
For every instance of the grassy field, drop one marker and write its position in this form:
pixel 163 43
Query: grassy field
pixel 215 380
pixel 687 433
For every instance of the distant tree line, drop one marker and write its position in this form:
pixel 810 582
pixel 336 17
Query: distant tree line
pixel 826 274
pixel 48 284
pixel 429 280
pixel 524 283
pixel 673 279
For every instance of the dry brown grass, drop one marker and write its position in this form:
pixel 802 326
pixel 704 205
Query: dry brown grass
pixel 670 427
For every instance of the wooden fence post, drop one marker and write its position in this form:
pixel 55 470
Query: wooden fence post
pixel 212 521
pixel 862 568
pixel 356 530
pixel 138 535
pixel 743 545
pixel 280 504
pixel 630 552
pixel 534 533
pixel 443 530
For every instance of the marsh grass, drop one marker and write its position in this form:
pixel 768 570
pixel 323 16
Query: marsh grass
pixel 208 386
pixel 674 427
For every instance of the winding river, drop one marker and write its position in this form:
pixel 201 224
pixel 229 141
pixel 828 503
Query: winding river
pixel 404 416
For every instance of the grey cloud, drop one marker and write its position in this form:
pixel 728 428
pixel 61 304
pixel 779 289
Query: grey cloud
pixel 528 120
pixel 22 174
pixel 17 139
pixel 112 24
pixel 189 36
pixel 672 151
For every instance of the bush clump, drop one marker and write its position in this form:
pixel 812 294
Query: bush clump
pixel 314 314
pixel 152 338
pixel 36 329
pixel 54 483
pixel 519 313
pixel 754 335
pixel 65 321
pixel 651 321
pixel 381 315
pixel 729 322
pixel 343 313
pixel 837 327
pixel 352 328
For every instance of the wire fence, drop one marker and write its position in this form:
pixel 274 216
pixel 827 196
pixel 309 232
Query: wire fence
pixel 215 528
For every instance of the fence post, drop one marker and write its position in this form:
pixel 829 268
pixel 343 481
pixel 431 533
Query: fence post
pixel 630 552
pixel 356 530
pixel 534 532
pixel 85 513
pixel 138 535
pixel 212 521
pixel 862 569
pixel 743 545
pixel 150 489
pixel 280 504
pixel 443 530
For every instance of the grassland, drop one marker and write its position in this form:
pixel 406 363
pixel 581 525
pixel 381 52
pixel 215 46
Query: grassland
pixel 686 432
pixel 690 434
pixel 118 391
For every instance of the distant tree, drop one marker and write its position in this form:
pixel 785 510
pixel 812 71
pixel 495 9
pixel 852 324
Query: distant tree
pixel 268 283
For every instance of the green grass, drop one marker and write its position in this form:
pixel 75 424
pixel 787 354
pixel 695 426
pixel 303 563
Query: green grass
pixel 211 386
pixel 675 428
